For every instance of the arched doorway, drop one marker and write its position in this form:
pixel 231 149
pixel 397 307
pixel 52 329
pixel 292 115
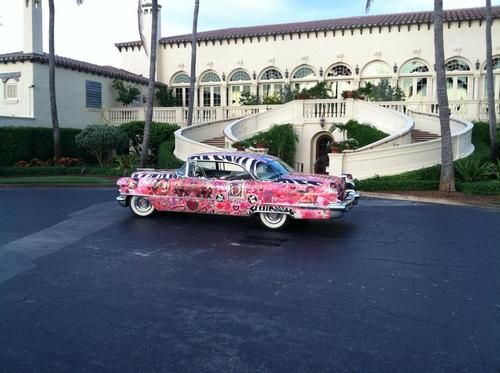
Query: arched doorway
pixel 321 159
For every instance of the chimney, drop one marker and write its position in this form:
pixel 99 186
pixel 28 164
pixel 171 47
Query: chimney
pixel 33 31
pixel 147 17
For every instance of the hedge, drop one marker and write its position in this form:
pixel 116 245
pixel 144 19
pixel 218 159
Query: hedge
pixel 390 185
pixel 57 170
pixel 160 132
pixel 166 157
pixel 26 143
pixel 491 187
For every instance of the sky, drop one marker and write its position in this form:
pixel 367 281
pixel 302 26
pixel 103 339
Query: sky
pixel 88 32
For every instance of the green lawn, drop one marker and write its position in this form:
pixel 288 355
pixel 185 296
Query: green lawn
pixel 64 179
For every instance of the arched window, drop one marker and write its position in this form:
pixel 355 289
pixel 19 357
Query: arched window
pixel 374 72
pixel 303 77
pixel 239 82
pixel 210 77
pixel 271 74
pixel 209 91
pixel 496 64
pixel 304 72
pixel 239 75
pixel 270 88
pixel 457 64
pixel 496 78
pixel 457 79
pixel 181 78
pixel 340 77
pixel 338 71
pixel 414 79
pixel 376 68
pixel 180 89
pixel 414 67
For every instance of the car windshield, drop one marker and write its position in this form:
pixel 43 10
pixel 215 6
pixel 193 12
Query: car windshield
pixel 271 171
pixel 182 170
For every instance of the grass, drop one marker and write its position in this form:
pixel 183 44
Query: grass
pixel 64 179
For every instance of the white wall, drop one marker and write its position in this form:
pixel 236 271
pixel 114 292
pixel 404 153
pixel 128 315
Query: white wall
pixel 360 48
pixel 71 94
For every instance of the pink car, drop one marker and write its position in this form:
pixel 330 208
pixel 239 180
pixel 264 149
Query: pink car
pixel 241 184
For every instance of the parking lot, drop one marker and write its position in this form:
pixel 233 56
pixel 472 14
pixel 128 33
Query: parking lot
pixel 394 286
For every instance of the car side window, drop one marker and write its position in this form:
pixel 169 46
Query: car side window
pixel 231 171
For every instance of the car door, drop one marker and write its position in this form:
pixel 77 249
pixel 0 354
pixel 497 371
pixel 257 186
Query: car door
pixel 195 190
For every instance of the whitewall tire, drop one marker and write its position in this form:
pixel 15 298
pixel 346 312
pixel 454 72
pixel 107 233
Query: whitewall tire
pixel 141 206
pixel 273 220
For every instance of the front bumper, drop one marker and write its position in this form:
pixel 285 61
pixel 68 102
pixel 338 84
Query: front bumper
pixel 122 200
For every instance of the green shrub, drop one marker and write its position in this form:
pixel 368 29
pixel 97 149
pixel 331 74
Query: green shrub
pixel 58 170
pixel 100 140
pixel 363 133
pixel 160 132
pixel 472 170
pixel 126 162
pixel 388 184
pixel 126 93
pixel 26 143
pixel 280 139
pixel 166 157
pixel 491 187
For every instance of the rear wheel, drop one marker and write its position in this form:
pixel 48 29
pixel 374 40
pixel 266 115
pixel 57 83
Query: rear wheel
pixel 273 220
pixel 141 206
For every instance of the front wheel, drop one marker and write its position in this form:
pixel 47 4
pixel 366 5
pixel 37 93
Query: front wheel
pixel 273 220
pixel 141 206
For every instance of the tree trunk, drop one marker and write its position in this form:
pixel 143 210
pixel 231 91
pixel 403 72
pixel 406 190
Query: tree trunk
pixel 447 182
pixel 194 38
pixel 490 84
pixel 52 84
pixel 151 84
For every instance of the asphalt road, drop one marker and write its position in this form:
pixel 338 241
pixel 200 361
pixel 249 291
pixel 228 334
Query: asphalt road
pixel 392 287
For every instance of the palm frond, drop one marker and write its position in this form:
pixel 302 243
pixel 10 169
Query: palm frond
pixel 140 24
pixel 368 5
pixel 79 2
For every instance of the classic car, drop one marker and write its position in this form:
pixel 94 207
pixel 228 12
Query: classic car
pixel 238 183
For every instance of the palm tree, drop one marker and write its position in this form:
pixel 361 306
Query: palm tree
pixel 152 74
pixel 447 180
pixel 52 81
pixel 194 38
pixel 490 83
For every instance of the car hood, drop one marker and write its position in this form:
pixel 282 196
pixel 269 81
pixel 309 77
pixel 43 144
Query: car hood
pixel 310 179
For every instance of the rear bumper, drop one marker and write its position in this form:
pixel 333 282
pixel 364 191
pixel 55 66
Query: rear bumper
pixel 338 209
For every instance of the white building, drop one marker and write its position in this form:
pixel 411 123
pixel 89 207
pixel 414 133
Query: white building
pixel 345 52
pixel 83 89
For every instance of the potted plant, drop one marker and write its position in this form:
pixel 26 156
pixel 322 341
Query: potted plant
pixel 239 145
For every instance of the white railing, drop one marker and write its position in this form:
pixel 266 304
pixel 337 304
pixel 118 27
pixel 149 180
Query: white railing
pixel 188 140
pixel 365 163
pixel 472 110
pixel 178 115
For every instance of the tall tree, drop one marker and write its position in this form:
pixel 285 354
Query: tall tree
pixel 152 74
pixel 52 81
pixel 490 83
pixel 194 41
pixel 447 180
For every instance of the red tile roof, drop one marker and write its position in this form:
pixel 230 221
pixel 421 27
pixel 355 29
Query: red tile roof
pixel 69 63
pixel 469 14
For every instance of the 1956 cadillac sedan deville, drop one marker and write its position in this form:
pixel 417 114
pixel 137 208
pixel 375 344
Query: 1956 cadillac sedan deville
pixel 241 184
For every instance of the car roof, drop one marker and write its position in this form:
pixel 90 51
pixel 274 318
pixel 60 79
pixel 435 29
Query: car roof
pixel 228 156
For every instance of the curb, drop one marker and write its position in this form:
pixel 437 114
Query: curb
pixel 442 201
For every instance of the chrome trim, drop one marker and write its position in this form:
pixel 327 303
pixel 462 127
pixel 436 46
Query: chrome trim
pixel 122 200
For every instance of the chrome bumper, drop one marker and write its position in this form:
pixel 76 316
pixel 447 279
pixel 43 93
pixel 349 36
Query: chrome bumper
pixel 122 200
pixel 338 209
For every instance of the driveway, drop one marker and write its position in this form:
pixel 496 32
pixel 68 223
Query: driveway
pixel 394 286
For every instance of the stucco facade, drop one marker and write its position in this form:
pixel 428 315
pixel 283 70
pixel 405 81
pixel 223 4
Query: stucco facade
pixel 362 49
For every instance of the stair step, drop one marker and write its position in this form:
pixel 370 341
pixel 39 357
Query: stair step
pixel 216 141
pixel 421 136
